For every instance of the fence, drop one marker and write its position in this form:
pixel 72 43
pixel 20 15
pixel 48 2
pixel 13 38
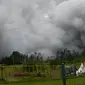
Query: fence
pixel 44 71
pixel 30 70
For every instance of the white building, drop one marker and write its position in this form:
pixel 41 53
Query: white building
pixel 81 70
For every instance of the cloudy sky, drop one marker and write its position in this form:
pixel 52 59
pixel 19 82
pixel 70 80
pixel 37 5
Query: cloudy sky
pixel 41 25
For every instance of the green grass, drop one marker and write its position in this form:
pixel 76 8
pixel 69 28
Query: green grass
pixel 42 81
pixel 47 82
pixel 70 81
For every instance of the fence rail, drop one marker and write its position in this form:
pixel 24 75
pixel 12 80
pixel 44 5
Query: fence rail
pixel 50 72
pixel 8 71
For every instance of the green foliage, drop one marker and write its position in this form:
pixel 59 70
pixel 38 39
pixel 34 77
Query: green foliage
pixel 54 62
pixel 37 58
pixel 17 57
pixel 14 58
pixel 39 74
pixel 6 61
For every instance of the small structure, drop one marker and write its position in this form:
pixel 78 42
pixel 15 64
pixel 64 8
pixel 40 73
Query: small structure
pixel 81 70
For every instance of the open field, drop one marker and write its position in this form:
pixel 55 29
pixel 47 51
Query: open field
pixel 31 80
pixel 71 81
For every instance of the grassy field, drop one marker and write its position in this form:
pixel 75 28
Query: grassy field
pixel 47 82
pixel 71 81
pixel 41 81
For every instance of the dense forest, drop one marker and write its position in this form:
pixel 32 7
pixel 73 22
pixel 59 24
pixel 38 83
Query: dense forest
pixel 65 56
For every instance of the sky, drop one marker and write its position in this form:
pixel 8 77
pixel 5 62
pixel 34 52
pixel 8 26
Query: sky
pixel 41 25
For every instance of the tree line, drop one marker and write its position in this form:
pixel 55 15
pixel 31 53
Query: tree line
pixel 64 55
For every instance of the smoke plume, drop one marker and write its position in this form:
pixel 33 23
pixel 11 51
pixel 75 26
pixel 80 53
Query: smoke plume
pixel 41 26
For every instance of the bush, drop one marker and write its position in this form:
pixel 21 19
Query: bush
pixel 27 74
pixel 39 74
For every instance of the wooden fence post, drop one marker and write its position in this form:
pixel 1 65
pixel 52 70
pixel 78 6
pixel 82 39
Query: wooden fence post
pixel 37 68
pixel 2 69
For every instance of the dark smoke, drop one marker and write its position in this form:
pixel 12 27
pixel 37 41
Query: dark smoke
pixel 41 25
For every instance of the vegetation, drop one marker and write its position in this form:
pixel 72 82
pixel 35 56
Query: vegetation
pixel 29 64
pixel 38 81
pixel 65 55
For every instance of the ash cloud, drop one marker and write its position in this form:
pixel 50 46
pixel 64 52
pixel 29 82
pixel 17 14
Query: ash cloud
pixel 41 25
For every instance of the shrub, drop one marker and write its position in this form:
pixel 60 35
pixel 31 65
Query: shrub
pixel 39 74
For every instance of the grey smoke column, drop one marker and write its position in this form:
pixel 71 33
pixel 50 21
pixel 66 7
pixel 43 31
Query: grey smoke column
pixel 41 25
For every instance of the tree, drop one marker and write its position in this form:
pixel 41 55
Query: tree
pixel 6 61
pixel 18 58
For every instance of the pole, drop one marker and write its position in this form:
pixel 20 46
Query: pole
pixel 2 73
pixel 13 60
pixel 63 74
